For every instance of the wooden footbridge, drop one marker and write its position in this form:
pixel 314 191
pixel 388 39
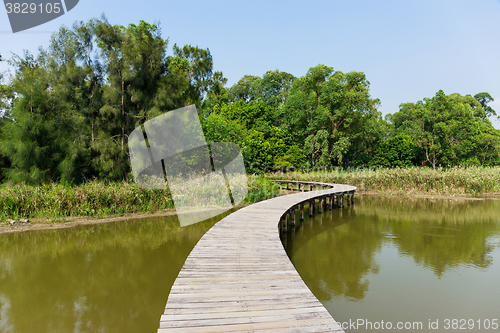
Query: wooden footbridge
pixel 238 278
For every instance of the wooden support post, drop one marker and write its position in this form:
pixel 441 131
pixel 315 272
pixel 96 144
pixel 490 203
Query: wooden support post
pixel 292 216
pixel 311 207
pixel 283 223
pixel 341 203
pixel 352 199
pixel 320 206
pixel 330 202
pixel 310 187
pixel 281 187
pixel 302 211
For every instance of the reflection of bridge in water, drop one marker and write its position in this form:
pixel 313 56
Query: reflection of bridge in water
pixel 238 278
pixel 315 226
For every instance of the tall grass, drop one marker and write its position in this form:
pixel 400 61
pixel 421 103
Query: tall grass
pixel 413 180
pixel 98 199
pixel 91 199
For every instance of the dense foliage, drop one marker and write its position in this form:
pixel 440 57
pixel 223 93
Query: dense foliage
pixel 451 129
pixel 65 115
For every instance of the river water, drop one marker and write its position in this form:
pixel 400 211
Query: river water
pixel 421 265
pixel 104 278
pixel 390 259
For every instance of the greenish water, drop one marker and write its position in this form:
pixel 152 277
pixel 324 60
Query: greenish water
pixel 112 277
pixel 404 260
pixel 391 259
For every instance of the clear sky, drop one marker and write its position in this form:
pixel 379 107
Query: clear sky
pixel 407 49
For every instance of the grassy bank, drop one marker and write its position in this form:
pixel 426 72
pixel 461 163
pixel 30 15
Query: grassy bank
pixel 97 199
pixel 54 202
pixel 454 181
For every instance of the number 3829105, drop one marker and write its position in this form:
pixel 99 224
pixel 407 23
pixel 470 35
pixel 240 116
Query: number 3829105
pixel 32 8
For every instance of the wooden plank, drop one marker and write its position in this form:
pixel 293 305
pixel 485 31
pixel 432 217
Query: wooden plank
pixel 238 278
pixel 288 326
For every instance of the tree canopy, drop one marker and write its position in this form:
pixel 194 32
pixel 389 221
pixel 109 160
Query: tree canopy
pixel 65 114
pixel 449 129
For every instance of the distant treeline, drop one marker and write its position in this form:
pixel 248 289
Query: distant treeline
pixel 65 115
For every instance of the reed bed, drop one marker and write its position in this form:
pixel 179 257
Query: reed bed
pixel 91 199
pixel 98 199
pixel 412 180
pixel 103 199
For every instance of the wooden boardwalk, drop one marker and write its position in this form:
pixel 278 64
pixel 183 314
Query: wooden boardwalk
pixel 238 278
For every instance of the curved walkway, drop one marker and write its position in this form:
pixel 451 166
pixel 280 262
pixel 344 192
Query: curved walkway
pixel 238 278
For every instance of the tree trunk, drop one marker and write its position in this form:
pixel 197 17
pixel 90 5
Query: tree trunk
pixel 123 128
pixel 123 111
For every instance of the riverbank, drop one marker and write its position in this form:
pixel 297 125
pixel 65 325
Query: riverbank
pixel 471 181
pixel 75 221
pixel 53 206
pixel 70 222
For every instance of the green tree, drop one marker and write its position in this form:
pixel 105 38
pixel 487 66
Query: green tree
pixel 484 98
pixel 217 95
pixel 172 87
pixel 487 146
pixel 99 81
pixel 4 159
pixel 273 89
pixel 293 157
pixel 252 115
pixel 245 89
pixel 260 154
pixel 332 115
pixel 446 127
pixel 397 151
pixel 200 74
pixel 33 140
pixel 76 80
pixel 134 63
pixel 6 96
pixel 272 150
pixel 218 128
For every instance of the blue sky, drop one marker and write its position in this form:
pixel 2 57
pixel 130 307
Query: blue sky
pixel 407 49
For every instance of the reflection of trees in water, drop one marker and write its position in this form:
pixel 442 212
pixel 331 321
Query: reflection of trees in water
pixel 439 234
pixel 103 278
pixel 351 251
pixel 442 247
pixel 334 258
